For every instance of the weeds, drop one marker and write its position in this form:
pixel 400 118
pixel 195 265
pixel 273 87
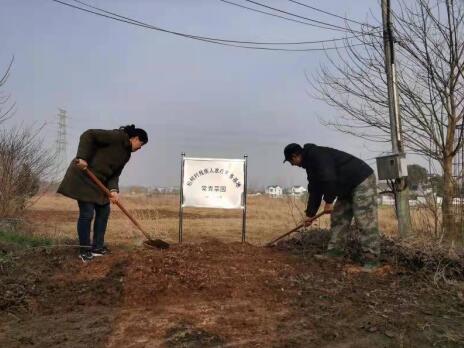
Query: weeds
pixel 21 240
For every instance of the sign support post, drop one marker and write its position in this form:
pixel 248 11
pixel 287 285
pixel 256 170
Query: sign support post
pixel 245 170
pixel 181 203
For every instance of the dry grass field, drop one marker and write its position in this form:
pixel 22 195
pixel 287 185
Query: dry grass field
pixel 55 216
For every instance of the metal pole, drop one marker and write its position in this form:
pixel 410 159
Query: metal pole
pixel 245 168
pixel 395 123
pixel 181 195
pixel 400 186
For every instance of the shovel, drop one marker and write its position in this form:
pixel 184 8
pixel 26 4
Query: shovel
pixel 151 243
pixel 271 243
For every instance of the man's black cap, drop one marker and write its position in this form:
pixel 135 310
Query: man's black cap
pixel 291 149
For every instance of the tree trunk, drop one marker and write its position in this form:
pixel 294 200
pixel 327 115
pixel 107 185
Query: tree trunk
pixel 449 223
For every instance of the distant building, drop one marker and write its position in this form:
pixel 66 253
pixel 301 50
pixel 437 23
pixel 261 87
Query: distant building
pixel 383 188
pixel 428 200
pixel 386 200
pixel 298 190
pixel 274 191
pixel 420 201
pixel 164 190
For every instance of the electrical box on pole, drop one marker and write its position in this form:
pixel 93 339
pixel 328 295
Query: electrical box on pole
pixel 391 167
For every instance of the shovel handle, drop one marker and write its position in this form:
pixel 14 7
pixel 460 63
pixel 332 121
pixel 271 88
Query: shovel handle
pixel 108 193
pixel 295 229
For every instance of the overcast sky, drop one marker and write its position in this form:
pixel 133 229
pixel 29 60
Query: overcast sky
pixel 191 96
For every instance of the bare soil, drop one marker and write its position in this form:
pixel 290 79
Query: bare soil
pixel 214 294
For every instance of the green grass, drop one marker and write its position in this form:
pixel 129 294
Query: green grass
pixel 23 240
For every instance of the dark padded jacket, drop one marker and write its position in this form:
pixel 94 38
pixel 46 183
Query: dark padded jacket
pixel 331 174
pixel 106 152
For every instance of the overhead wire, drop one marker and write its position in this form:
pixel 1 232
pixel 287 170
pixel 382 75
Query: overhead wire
pixel 211 38
pixel 117 17
pixel 329 25
pixel 332 14
pixel 273 14
pixel 288 19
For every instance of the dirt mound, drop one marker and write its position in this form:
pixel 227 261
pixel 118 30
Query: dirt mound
pixel 219 295
pixel 431 260
pixel 439 261
pixel 313 241
pixel 144 277
pixel 208 269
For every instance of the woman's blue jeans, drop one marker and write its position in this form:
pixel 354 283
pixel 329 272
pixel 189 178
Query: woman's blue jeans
pixel 86 214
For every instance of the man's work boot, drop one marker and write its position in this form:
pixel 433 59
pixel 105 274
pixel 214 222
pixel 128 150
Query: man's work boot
pixel 371 263
pixel 331 254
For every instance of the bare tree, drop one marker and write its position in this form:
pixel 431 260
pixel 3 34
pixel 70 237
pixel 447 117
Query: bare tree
pixel 430 65
pixel 24 162
pixel 6 106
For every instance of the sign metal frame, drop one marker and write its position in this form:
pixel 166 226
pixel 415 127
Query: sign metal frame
pixel 244 194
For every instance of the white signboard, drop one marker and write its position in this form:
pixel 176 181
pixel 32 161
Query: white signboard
pixel 213 183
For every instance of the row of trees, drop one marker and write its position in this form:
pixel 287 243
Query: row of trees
pixel 430 80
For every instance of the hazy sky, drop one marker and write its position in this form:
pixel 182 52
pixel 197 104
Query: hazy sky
pixel 204 99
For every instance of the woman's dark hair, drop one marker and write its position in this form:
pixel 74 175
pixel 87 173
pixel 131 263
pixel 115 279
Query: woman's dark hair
pixel 131 131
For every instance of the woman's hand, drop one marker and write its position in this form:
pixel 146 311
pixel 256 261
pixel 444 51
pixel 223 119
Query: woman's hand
pixel 114 198
pixel 81 164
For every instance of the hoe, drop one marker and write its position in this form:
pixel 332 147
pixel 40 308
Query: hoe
pixel 271 243
pixel 151 243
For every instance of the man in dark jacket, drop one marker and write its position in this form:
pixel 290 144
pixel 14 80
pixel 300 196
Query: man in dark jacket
pixel 105 153
pixel 337 175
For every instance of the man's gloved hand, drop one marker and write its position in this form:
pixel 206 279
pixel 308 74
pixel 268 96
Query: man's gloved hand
pixel 81 164
pixel 308 221
pixel 328 208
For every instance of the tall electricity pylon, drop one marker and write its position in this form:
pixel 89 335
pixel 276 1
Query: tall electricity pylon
pixel 61 143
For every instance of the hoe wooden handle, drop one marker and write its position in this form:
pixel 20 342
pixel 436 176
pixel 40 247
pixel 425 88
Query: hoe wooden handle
pixel 295 229
pixel 108 193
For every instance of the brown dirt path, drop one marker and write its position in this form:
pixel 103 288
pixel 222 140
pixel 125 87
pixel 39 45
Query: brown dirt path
pixel 220 295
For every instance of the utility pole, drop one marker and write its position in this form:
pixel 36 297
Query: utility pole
pixel 400 186
pixel 61 143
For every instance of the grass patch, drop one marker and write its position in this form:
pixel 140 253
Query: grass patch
pixel 23 240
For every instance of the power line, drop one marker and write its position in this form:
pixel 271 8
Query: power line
pixel 210 38
pixel 332 14
pixel 275 15
pixel 329 25
pixel 287 49
pixel 222 42
pixel 296 21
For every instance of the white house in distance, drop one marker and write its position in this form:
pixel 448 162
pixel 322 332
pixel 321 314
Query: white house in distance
pixel 421 201
pixel 386 200
pixel 298 190
pixel 274 191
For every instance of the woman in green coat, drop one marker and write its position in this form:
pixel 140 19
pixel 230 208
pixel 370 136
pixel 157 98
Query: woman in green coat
pixel 105 153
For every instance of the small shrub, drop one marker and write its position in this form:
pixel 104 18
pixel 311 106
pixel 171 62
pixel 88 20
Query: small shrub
pixel 24 162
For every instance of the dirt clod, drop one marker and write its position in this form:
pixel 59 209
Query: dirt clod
pixel 186 335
